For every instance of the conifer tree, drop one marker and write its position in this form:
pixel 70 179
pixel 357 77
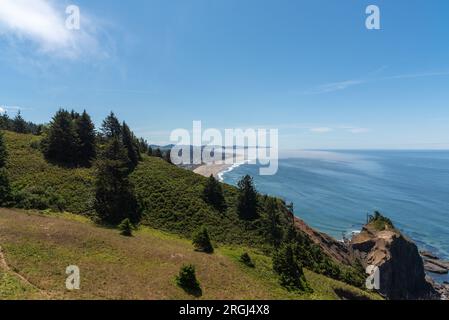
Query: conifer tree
pixel 19 124
pixel 150 151
pixel 158 153
pixel 114 194
pixel 5 189
pixel 62 143
pixel 289 269
pixel 85 130
pixel 247 200
pixel 129 144
pixel 111 127
pixel 213 194
pixel 201 241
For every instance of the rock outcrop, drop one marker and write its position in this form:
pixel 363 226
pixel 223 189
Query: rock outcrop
pixel 401 267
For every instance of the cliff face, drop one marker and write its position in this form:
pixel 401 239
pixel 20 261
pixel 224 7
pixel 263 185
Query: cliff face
pixel 401 267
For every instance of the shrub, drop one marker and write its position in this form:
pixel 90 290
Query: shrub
pixel 201 241
pixel 289 269
pixel 246 260
pixel 126 228
pixel 187 280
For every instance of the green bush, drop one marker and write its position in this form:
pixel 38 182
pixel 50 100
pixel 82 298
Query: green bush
pixel 246 260
pixel 201 241
pixel 126 228
pixel 187 280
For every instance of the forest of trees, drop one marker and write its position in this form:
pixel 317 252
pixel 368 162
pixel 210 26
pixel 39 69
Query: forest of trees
pixel 18 124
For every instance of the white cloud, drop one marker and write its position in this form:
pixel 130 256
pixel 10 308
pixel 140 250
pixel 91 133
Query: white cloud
pixel 2 110
pixel 321 130
pixel 43 23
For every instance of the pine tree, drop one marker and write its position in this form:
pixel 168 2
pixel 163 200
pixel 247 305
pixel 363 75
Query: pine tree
pixel 111 127
pixel 19 124
pixel 85 130
pixel 5 122
pixel 114 195
pixel 289 269
pixel 3 152
pixel 158 153
pixel 213 194
pixel 201 241
pixel 5 189
pixel 126 228
pixel 273 224
pixel 129 143
pixel 167 156
pixel 62 143
pixel 187 280
pixel 150 151
pixel 247 200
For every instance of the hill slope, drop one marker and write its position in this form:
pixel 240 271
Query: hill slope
pixel 169 199
pixel 39 248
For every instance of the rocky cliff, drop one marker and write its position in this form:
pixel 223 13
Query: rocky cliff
pixel 401 268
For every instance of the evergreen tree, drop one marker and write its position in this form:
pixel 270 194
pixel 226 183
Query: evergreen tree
pixel 158 153
pixel 19 124
pixel 247 200
pixel 5 122
pixel 187 280
pixel 5 189
pixel 213 194
pixel 85 130
pixel 62 143
pixel 274 221
pixel 289 269
pixel 167 156
pixel 111 127
pixel 201 241
pixel 126 228
pixel 114 194
pixel 3 152
pixel 129 143
pixel 150 151
pixel 246 260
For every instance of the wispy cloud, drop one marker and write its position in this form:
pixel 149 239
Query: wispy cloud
pixel 42 23
pixel 9 108
pixel 335 86
pixel 321 130
pixel 346 84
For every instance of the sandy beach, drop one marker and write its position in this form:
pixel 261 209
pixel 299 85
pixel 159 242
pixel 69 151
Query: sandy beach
pixel 218 167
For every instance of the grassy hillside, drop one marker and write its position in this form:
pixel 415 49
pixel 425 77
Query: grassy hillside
pixel 37 248
pixel 169 199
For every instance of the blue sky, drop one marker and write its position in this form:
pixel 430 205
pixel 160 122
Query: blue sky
pixel 309 68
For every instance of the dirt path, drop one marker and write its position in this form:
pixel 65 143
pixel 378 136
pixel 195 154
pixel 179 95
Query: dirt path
pixel 4 265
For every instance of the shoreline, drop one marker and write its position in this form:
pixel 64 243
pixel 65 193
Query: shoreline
pixel 219 168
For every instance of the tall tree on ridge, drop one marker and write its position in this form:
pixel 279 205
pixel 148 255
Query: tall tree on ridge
pixel 129 144
pixel 19 124
pixel 111 127
pixel 85 130
pixel 114 194
pixel 61 143
pixel 247 200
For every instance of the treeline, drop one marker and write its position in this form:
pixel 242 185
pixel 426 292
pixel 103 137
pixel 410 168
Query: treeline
pixel 19 125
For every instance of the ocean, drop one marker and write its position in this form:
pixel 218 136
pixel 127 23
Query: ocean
pixel 333 191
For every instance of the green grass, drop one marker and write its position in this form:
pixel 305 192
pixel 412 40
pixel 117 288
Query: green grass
pixel 170 199
pixel 40 246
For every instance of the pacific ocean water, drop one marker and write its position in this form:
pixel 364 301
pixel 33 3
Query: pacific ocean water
pixel 333 191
